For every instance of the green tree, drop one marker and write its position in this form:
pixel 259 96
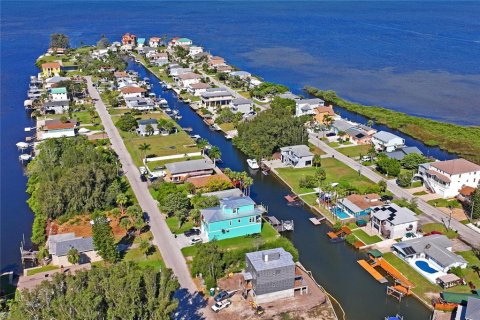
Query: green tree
pixel 59 40
pixel 127 122
pixel 412 160
pixel 217 184
pixel 320 175
pixel 144 147
pixel 389 166
pixel 214 153
pixel 382 184
pixel 73 256
pixel 122 200
pixel 317 160
pixel 287 104
pixel 175 202
pixel 103 240
pixel 145 247
pixel 474 207
pixel 404 179
pixel 202 144
pixel 149 129
pixel 103 42
pixel 209 262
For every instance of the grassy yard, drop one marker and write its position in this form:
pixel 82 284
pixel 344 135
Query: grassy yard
pixel 355 151
pixel 227 126
pixel 415 184
pixel 83 117
pixel 469 273
pixel 445 203
pixel 154 259
pixel 429 227
pixel 422 285
pixel 420 193
pixel 46 268
pixel 160 163
pixel 365 238
pixel 315 150
pixel 172 223
pixel 336 172
pixel 334 144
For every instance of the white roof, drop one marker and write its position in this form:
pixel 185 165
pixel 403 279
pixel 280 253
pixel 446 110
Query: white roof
pixel 385 136
pixel 395 214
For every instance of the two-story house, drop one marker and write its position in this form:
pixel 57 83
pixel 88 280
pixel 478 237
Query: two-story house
pixel 387 142
pixel 154 42
pixel 59 94
pixel 186 79
pixel 129 39
pixel 297 156
pixel 216 97
pixel 50 69
pixel 446 178
pixel 242 105
pixel 132 92
pixel 234 217
pixel 178 172
pixel 307 106
pixel 393 221
pixel 269 275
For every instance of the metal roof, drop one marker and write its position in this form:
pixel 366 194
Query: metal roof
pixel 236 202
pixel 472 311
pixel 58 90
pixel 385 136
pixel 342 125
pixel 189 166
pixel 224 193
pixel 300 150
pixel 277 258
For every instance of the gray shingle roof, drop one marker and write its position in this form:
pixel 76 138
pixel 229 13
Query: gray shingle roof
pixel 472 311
pixel 236 202
pixel 277 258
pixel 59 244
pixel 189 166
pixel 394 214
pixel 342 125
pixel 224 193
pixel 215 92
pixel 240 101
pixel 147 121
pixel 399 154
pixel 300 150
pixel 289 95
pixel 311 102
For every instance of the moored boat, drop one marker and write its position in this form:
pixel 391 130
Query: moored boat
pixel 252 163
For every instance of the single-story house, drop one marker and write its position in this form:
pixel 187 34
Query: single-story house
pixel 340 125
pixel 224 68
pixel 370 131
pixel 194 50
pixel 393 221
pixel 54 80
pixel 57 129
pixel 358 136
pixel 140 43
pixel 175 71
pixel 229 193
pixel 132 92
pixel 298 156
pixel 186 79
pixel 234 217
pixel 241 74
pixel 180 171
pixel 307 106
pixel 214 61
pixel 322 112
pixel 465 194
pixel 56 107
pixel 140 103
pixel 436 248
pixel 197 88
pixel 358 205
pixel 59 245
pixel 180 42
pixel 387 142
pixel 144 123
pixel 245 106
pixel 59 94
pixel 288 95
pixel 400 153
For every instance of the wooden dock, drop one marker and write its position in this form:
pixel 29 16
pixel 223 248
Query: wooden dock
pixel 374 273
pixel 280 225
pixel 317 221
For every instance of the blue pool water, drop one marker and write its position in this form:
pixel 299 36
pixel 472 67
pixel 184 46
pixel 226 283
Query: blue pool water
pixel 425 266
pixel 340 213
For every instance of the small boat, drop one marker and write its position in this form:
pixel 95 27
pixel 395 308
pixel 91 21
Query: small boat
pixel 188 129
pixel 168 110
pixel 22 145
pixel 195 137
pixel 175 112
pixel 169 86
pixel 83 130
pixel 252 163
pixel 137 61
pixel 177 117
pixel 265 172
pixel 25 157
pixel 288 225
pixel 228 137
pixel 216 127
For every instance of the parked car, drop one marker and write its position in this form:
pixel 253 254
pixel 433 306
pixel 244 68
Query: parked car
pixel 331 134
pixel 221 305
pixel 143 170
pixel 143 178
pixel 195 240
pixel 222 295
pixel 386 198
pixel 192 232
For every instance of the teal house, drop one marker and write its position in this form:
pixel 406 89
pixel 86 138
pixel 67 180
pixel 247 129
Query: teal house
pixel 234 217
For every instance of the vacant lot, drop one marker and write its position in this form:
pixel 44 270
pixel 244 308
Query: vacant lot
pixel 356 151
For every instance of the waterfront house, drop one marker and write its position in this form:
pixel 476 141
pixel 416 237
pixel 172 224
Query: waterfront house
pixel 298 156
pixel 201 55
pixel 140 44
pixel 197 88
pixel 50 69
pixel 185 79
pixel 224 69
pixel 340 125
pixel 131 92
pixel 356 205
pixel 242 105
pixel 234 217
pixel 56 51
pixel 229 193
pixel 99 54
pixel 358 136
pixel 194 50
pixel 154 42
pixel 58 94
pixel 144 123
pixel 400 153
pixel 184 42
pixel 55 107
pixel 322 112
pixel 215 61
pixel 241 74
pixel 254 82
pixel 216 97
pixel 387 142
pixel 307 106
pixel 175 71
pixel 465 194
pixel 121 75
pixel 370 131
pixel 446 178
pixel 289 95
pixel 58 246
pixel 393 221
pixel 140 103
pixel 435 248
pixel 58 129
pixel 53 81
pixel 129 39
pixel 270 275
pixel 180 171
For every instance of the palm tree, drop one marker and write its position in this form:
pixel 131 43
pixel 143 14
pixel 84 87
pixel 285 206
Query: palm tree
pixel 144 247
pixel 214 154
pixel 73 256
pixel 149 129
pixel 122 200
pixel 144 147
pixel 202 144
pixel 327 119
pixel 247 181
pixel 370 123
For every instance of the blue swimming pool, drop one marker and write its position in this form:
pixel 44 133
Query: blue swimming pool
pixel 425 266
pixel 340 213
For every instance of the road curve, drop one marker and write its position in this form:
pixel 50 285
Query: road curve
pixel 162 237
pixel 465 233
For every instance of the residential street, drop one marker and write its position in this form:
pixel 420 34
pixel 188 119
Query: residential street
pixel 465 233
pixel 163 238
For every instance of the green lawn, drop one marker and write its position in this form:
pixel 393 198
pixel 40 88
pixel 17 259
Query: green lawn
pixel 46 268
pixel 160 163
pixel 154 259
pixel 469 274
pixel 415 184
pixel 315 150
pixel 172 223
pixel 365 238
pixel 83 117
pixel 336 172
pixel 355 151
pixel 422 285
pixel 445 203
pixel 420 193
pixel 227 126
pixel 429 227
pixel 333 144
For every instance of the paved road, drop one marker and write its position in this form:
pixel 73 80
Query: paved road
pixel 465 233
pixel 163 238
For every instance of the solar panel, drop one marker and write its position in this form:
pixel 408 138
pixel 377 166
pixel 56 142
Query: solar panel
pixel 409 250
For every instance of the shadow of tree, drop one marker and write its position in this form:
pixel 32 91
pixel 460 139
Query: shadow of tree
pixel 189 305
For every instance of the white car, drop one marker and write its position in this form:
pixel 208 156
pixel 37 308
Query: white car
pixel 221 305
pixel 195 240
pixel 143 170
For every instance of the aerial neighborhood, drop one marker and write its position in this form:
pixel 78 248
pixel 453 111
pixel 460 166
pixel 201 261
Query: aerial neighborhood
pixel 139 115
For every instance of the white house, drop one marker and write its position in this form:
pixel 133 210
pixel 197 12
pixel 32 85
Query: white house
pixel 154 42
pixel 60 244
pixel 56 107
pixel 131 92
pixel 193 50
pixel 186 79
pixel 241 74
pixel 307 106
pixel 142 126
pixel 140 103
pixel 216 97
pixel 99 54
pixel 386 141
pixel 59 94
pixel 446 178
pixel 58 129
pixel 175 71
pixel 393 221
pixel 197 88
pixel 297 156
pixel 245 106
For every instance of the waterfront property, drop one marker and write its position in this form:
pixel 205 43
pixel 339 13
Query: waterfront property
pixel 356 205
pixel 307 106
pixel 129 39
pixel 269 275
pixel 55 128
pixel 229 193
pixel 143 127
pixel 431 256
pixel 400 153
pixel 234 217
pixel 297 156
pixel 322 112
pixel 180 171
pixel 244 106
pixel 358 136
pixel 154 42
pixel 341 126
pixel 393 221
pixel 50 69
pixel 60 244
pixel 387 142
pixel 58 94
pixel 132 92
pixel 196 89
pixel 55 107
pixel 216 97
pixel 139 103
pixel 446 178
pixel 186 79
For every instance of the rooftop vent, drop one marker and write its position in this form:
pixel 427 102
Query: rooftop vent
pixel 271 256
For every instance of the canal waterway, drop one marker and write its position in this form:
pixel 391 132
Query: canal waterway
pixel 334 266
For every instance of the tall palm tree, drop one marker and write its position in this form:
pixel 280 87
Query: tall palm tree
pixel 327 119
pixel 247 183
pixel 214 154
pixel 144 147
pixel 202 144
pixel 122 200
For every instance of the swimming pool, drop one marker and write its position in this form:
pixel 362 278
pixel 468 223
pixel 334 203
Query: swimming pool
pixel 340 213
pixel 425 266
